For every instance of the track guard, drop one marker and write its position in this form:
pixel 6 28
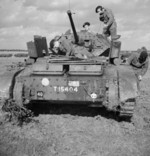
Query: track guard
pixel 127 83
pixel 128 91
pixel 17 93
pixel 113 94
pixel 6 84
pixel 112 87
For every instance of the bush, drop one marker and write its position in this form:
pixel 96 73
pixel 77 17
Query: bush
pixel 6 55
pixel 21 55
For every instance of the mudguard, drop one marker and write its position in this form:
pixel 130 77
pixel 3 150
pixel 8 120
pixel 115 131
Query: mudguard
pixel 122 85
pixel 7 81
pixel 111 86
pixel 127 82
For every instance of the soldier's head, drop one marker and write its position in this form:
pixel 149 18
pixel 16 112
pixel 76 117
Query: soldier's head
pixel 99 9
pixel 144 48
pixel 86 26
pixel 54 45
pixel 143 55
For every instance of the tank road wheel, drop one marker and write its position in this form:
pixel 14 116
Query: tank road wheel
pixel 127 108
pixel 18 94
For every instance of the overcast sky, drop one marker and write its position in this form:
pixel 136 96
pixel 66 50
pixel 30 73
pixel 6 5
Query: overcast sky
pixel 21 19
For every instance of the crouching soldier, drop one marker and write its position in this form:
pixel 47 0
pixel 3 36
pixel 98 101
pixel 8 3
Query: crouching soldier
pixel 139 62
pixel 61 46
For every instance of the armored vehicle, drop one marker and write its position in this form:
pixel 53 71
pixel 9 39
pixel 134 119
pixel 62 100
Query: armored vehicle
pixel 96 81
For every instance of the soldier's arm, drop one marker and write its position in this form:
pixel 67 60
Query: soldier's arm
pixel 144 68
pixel 111 17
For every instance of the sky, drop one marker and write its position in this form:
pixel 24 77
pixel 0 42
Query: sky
pixel 20 20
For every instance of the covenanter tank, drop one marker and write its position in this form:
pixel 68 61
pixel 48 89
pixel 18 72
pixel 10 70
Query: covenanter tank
pixel 97 81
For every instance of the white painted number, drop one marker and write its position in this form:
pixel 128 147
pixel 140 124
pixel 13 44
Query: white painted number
pixel 65 89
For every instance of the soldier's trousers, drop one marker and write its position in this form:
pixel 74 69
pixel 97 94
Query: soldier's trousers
pixel 111 30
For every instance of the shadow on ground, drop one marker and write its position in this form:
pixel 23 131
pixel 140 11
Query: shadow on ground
pixel 75 110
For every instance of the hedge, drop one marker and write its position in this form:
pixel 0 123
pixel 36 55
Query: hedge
pixel 6 55
pixel 21 55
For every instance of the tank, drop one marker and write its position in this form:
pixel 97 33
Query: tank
pixel 96 81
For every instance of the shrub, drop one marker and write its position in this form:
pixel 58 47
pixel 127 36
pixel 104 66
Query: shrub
pixel 6 55
pixel 21 55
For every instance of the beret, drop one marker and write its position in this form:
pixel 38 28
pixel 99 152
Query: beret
pixel 98 7
pixel 86 23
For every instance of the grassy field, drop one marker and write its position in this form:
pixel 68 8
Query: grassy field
pixel 5 62
pixel 79 131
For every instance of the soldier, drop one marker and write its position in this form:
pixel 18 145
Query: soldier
pixel 139 62
pixel 86 26
pixel 107 17
pixel 60 45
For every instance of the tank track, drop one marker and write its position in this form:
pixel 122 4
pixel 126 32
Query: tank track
pixel 127 109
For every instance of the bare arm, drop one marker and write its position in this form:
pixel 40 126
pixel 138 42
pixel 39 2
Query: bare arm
pixel 144 68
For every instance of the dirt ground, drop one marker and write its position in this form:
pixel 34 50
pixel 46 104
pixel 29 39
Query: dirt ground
pixel 79 131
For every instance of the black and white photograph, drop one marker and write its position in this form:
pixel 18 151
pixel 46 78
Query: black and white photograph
pixel 74 78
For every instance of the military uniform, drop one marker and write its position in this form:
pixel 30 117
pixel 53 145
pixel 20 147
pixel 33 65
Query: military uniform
pixel 108 18
pixel 65 47
pixel 72 49
pixel 139 68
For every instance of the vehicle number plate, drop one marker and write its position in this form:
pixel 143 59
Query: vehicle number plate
pixel 65 89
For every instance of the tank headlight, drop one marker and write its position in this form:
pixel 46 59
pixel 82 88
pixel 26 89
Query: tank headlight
pixel 45 81
pixel 93 96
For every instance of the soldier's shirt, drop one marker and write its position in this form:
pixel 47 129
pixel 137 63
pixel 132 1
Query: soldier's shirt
pixel 73 49
pixel 140 68
pixel 108 17
pixel 66 46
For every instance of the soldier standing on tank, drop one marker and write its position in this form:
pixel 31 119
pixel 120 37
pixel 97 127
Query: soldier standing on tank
pixel 106 16
pixel 139 62
pixel 60 45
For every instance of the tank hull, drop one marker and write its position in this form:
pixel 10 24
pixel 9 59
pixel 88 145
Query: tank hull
pixel 77 82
